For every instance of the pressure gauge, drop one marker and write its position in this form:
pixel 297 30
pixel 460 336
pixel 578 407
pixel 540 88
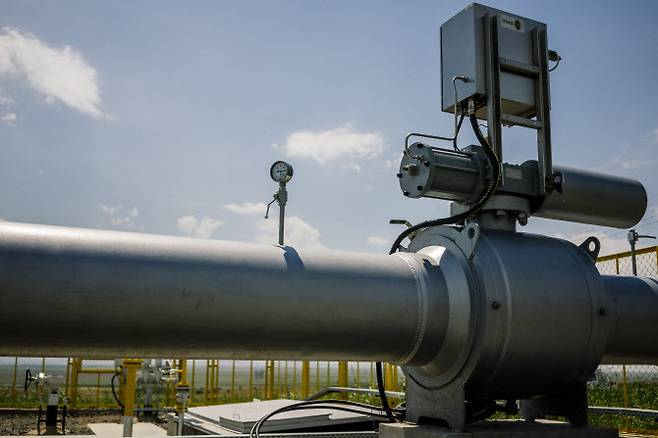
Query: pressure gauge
pixel 281 172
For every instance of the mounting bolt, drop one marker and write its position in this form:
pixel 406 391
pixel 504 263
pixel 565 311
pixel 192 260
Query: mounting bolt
pixel 399 175
pixel 420 188
pixel 603 312
pixel 495 305
pixel 405 193
pixel 523 218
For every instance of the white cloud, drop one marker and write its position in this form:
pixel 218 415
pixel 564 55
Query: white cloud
pixel 394 163
pixel 654 136
pixel 120 216
pixel 377 240
pixel 8 118
pixel 328 146
pixel 298 233
pixel 247 208
pixel 202 228
pixel 59 74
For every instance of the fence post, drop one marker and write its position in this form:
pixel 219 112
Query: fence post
pixel 98 391
pixel 371 376
pixel 207 384
pixel 328 374
pixel 233 397
pixel 251 380
pixel 131 366
pixel 317 375
pixel 269 382
pixel 305 378
pixel 13 381
pixel 294 378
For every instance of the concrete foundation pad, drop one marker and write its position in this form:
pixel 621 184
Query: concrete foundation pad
pixel 140 430
pixel 497 429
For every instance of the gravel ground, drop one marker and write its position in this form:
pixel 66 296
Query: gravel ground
pixel 24 423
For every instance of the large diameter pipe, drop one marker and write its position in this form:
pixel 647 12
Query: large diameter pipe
pixel 635 334
pixel 69 292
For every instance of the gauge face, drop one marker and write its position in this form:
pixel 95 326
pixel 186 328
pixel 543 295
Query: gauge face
pixel 281 171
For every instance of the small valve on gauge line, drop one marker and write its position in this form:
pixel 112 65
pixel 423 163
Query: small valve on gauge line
pixel 280 172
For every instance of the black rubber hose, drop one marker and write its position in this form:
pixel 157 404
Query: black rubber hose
pixel 491 188
pixel 114 393
pixel 382 392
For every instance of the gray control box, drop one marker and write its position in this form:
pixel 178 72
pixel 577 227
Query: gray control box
pixel 463 53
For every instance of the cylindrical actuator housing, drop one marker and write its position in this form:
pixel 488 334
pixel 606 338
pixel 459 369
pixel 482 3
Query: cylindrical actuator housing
pixel 441 173
pixel 594 198
pixel 579 195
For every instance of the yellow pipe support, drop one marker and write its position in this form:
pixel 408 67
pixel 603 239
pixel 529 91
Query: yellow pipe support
pixel 285 379
pixel 192 383
pixel 207 384
pixel 131 366
pixel 76 364
pixel 395 377
pixel 306 376
pixel 342 377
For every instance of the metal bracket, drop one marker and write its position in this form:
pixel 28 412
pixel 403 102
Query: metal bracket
pixel 586 246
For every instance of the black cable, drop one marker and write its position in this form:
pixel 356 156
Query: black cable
pixel 555 66
pixel 382 392
pixel 459 127
pixel 343 405
pixel 491 188
pixel 114 393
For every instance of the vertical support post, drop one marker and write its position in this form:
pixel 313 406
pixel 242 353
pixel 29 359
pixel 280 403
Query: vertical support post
pixel 306 371
pixel 294 379
pixel 278 378
pixel 372 375
pixel 206 389
pixel 543 108
pixel 625 385
pixel 394 375
pixel 66 379
pixel 43 365
pixel 358 375
pixel 493 84
pixel 130 366
pixel 182 394
pixel 75 372
pixel 98 390
pixel 13 381
pixel 216 380
pixel 328 373
pixel 251 380
pixel 193 381
pixel 285 378
pixel 342 378
pixel 269 383
pixel 233 397
pixel 317 375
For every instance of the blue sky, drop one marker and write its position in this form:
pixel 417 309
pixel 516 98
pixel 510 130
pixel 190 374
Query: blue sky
pixel 164 117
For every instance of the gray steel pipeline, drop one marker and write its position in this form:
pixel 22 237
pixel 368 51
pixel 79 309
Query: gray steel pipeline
pixel 70 291
pixel 635 334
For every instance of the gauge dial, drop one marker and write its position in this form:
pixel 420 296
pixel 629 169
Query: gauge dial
pixel 281 171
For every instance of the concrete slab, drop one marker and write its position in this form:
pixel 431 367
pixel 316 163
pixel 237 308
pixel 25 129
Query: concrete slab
pixel 497 429
pixel 114 430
